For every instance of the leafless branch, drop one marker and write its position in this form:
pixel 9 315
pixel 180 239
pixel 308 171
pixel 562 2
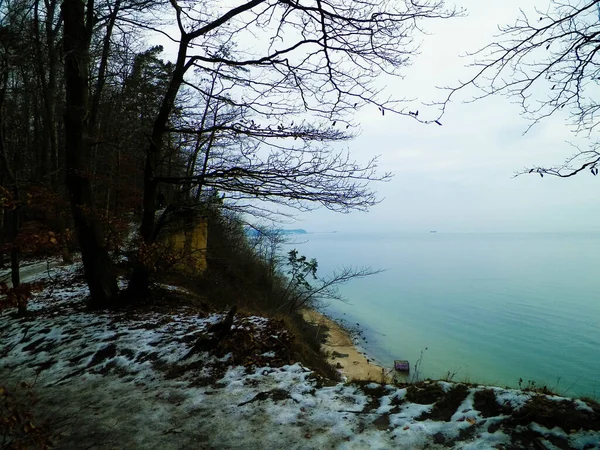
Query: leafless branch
pixel 549 62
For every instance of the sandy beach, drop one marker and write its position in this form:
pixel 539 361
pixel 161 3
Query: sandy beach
pixel 342 352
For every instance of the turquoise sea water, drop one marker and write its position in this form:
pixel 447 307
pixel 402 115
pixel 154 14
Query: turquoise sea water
pixel 491 308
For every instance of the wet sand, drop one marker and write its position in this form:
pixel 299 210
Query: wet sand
pixel 342 353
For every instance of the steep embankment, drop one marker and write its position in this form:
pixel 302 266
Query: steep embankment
pixel 119 379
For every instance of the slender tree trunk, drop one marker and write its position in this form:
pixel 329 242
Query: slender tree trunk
pixel 101 79
pixel 199 142
pixel 15 276
pixel 2 236
pixel 51 124
pixel 140 279
pixel 98 267
pixel 15 259
pixel 12 217
pixel 118 183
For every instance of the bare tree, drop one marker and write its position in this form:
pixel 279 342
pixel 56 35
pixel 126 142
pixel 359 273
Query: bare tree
pixel 548 61
pixel 78 20
pixel 293 73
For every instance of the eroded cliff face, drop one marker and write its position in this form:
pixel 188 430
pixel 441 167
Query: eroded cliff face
pixel 188 244
pixel 185 235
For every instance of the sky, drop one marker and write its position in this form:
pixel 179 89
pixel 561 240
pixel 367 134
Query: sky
pixel 459 177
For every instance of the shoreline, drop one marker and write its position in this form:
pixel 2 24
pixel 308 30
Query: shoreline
pixel 355 365
pixel 343 354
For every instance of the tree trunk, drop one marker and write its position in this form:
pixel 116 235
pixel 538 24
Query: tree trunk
pixel 15 274
pixel 140 278
pixel 5 220
pixel 12 217
pixel 97 265
pixel 15 260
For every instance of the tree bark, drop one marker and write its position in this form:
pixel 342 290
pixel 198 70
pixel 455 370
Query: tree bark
pixel 48 68
pixel 15 260
pixel 139 283
pixel 13 222
pixel 97 265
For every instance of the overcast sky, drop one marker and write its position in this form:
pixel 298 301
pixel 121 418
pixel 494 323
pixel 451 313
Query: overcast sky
pixel 459 177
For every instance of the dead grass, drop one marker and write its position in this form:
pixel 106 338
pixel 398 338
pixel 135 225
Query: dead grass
pixel 306 345
pixel 220 288
pixel 298 341
pixel 486 403
pixel 565 414
pixel 19 426
pixel 424 392
pixel 447 405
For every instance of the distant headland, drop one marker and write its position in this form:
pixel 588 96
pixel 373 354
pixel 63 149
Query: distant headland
pixel 295 231
pixel 255 232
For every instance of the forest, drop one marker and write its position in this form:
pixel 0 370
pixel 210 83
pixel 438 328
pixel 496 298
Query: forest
pixel 101 127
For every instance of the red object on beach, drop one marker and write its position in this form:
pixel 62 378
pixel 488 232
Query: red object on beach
pixel 401 365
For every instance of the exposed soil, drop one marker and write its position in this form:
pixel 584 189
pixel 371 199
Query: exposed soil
pixel 485 402
pixel 446 406
pixel 424 393
pixel 565 414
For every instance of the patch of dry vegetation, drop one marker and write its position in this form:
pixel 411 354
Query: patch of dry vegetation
pixel 19 428
pixel 447 404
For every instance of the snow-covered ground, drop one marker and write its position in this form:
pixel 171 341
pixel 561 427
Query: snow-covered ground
pixel 31 271
pixel 119 380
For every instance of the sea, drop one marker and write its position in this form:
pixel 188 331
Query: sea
pixel 506 309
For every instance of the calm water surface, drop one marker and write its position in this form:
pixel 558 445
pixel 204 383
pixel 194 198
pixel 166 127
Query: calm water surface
pixel 490 308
